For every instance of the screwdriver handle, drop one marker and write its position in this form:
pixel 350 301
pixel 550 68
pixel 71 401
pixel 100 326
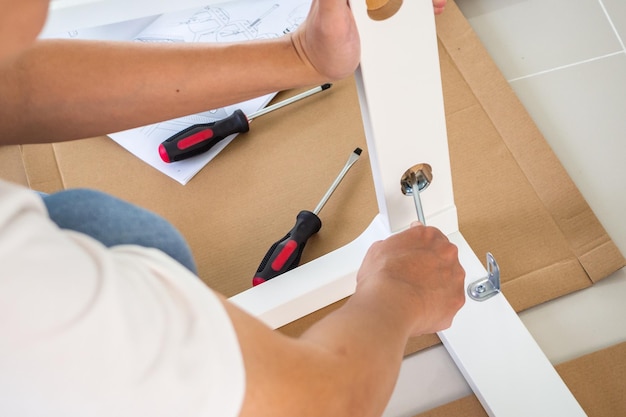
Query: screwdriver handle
pixel 285 254
pixel 199 138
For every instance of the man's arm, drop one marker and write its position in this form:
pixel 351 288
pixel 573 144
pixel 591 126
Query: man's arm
pixel 348 362
pixel 68 89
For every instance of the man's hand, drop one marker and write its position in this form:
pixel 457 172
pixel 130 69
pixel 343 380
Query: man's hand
pixel 418 271
pixel 347 363
pixel 328 40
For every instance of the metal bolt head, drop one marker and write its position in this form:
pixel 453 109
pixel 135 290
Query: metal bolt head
pixel 420 176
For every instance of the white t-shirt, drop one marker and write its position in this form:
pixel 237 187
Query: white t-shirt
pixel 90 331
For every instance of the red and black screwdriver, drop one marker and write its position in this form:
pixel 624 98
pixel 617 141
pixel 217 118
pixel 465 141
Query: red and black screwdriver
pixel 201 137
pixel 285 254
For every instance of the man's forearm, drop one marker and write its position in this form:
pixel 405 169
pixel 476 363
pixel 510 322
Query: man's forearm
pixel 345 364
pixel 366 368
pixel 62 90
pixel 369 335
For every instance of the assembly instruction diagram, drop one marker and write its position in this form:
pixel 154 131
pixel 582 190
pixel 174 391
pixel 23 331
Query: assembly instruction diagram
pixel 225 23
pixel 233 21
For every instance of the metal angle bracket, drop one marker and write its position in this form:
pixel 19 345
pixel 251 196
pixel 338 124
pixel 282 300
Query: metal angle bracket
pixel 486 288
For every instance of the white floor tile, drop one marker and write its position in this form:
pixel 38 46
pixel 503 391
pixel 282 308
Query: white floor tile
pixel 616 10
pixel 581 112
pixel 529 36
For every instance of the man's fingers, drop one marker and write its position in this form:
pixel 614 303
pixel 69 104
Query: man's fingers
pixel 439 6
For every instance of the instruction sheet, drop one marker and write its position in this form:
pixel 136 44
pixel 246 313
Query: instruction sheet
pixel 231 21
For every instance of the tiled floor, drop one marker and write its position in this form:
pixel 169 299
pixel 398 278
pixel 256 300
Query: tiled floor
pixel 566 60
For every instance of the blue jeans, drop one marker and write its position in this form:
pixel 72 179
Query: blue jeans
pixel 116 222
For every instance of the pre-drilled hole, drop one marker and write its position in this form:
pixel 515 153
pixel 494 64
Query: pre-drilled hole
pixel 382 9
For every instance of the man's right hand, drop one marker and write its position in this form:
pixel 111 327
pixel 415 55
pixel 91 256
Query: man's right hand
pixel 347 363
pixel 418 271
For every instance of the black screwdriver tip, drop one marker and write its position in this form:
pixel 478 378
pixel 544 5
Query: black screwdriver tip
pixel 326 86
pixel 358 151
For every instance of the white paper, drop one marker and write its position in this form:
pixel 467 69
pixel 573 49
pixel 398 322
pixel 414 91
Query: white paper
pixel 225 22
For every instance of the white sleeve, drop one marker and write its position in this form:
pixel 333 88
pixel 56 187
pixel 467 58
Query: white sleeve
pixel 91 331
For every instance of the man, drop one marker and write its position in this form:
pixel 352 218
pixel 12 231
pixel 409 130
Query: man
pixel 95 329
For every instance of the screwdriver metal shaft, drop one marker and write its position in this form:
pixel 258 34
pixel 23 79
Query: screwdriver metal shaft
pixel 289 101
pixel 201 137
pixel 285 254
pixel 354 156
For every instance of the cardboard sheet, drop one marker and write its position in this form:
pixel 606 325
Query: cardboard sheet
pixel 597 380
pixel 529 200
pixel 513 197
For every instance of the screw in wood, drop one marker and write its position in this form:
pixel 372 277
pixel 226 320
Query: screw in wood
pixel 415 180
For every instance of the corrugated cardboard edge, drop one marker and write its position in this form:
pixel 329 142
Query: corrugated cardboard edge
pixel 596 252
pixel 41 168
pixel 597 380
pixel 12 166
